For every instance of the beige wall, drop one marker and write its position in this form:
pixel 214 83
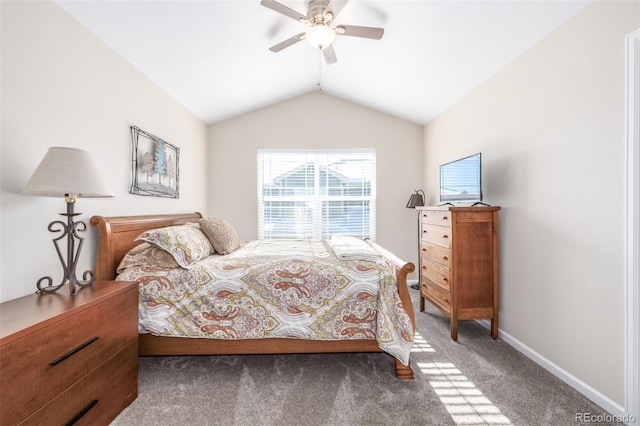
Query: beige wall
pixel 551 130
pixel 317 120
pixel 61 86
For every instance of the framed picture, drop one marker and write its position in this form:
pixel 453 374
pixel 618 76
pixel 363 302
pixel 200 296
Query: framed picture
pixel 155 165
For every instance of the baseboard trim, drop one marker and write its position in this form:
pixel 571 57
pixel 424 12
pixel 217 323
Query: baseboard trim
pixel 598 398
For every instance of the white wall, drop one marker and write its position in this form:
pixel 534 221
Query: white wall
pixel 313 121
pixel 61 86
pixel 550 126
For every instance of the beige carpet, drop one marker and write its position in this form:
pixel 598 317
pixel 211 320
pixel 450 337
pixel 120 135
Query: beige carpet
pixel 476 381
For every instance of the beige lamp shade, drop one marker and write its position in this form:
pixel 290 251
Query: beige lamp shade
pixel 67 171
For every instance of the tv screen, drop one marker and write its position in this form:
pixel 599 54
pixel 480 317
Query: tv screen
pixel 461 180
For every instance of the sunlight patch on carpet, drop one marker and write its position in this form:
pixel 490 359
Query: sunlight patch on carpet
pixel 420 344
pixel 465 403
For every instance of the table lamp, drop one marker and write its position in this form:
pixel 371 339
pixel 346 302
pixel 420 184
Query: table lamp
pixel 416 200
pixel 68 173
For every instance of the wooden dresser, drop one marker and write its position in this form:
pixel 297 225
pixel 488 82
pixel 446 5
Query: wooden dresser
pixel 459 263
pixel 67 359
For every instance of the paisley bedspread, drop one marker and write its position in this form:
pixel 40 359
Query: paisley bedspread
pixel 275 288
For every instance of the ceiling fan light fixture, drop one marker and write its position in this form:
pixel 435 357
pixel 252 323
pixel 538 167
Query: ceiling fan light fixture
pixel 320 36
pixel 320 31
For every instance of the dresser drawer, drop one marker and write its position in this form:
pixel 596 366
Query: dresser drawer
pixel 436 217
pixel 438 274
pixel 41 365
pixel 434 253
pixel 439 235
pixel 439 297
pixel 98 397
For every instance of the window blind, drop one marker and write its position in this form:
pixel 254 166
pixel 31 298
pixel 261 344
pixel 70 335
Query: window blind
pixel 314 194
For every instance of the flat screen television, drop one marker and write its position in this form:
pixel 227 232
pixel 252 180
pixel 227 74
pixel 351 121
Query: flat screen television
pixel 461 180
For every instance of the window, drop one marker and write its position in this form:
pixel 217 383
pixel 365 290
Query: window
pixel 314 194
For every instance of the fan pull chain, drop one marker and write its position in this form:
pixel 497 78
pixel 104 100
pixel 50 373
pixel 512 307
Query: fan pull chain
pixel 319 65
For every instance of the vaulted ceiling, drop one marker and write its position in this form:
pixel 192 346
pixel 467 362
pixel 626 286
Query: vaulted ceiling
pixel 213 56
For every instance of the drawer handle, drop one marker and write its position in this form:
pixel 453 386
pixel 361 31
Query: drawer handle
pixel 445 237
pixel 445 279
pixel 445 258
pixel 73 351
pixel 84 411
pixel 445 218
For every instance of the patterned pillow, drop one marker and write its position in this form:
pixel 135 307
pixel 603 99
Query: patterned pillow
pixel 187 244
pixel 146 254
pixel 221 234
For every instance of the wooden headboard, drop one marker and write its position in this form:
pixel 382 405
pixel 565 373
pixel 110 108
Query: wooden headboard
pixel 116 237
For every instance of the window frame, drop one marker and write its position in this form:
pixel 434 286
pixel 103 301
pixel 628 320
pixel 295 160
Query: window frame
pixel 317 200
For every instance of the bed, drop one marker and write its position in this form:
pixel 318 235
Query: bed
pixel 117 237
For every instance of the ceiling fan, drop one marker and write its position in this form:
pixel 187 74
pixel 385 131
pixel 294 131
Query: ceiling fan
pixel 321 32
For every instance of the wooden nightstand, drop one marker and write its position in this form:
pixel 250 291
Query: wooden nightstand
pixel 69 358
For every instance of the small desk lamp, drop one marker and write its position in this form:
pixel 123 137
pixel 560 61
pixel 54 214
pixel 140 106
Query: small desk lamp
pixel 68 173
pixel 416 200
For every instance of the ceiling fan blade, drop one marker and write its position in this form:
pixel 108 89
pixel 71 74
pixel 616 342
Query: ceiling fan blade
pixel 356 31
pixel 280 8
pixel 288 42
pixel 329 55
pixel 335 7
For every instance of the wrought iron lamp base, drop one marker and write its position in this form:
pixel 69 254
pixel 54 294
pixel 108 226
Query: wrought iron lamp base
pixel 69 230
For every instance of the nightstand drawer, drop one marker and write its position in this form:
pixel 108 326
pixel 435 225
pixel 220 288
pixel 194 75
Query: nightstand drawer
pixel 41 365
pixel 439 235
pixel 437 296
pixel 434 253
pixel 441 218
pixel 437 273
pixel 91 401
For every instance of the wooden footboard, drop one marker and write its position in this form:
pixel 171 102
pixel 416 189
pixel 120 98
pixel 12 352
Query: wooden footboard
pixel 117 236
